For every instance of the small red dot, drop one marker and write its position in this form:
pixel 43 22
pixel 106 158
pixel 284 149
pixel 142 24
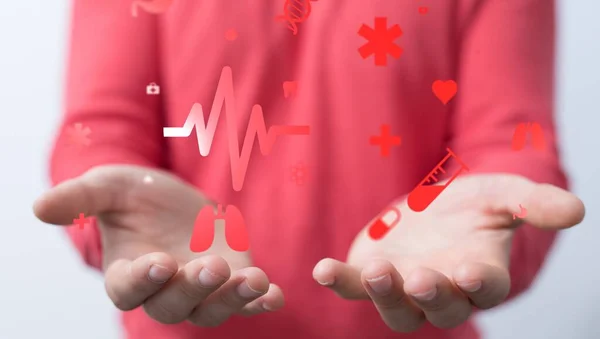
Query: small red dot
pixel 231 34
pixel 423 10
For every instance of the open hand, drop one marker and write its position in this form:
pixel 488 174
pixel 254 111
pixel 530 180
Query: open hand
pixel 146 229
pixel 434 265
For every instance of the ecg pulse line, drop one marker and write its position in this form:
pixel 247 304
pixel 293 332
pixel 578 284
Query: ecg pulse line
pixel 256 126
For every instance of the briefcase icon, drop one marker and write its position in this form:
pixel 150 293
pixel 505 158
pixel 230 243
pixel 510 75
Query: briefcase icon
pixel 152 89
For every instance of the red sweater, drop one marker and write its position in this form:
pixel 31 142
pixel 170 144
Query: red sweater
pixel 499 52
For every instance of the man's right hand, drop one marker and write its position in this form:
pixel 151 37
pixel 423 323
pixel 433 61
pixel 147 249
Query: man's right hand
pixel 146 229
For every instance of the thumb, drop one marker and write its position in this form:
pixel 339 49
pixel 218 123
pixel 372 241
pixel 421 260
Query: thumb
pixel 544 206
pixel 101 189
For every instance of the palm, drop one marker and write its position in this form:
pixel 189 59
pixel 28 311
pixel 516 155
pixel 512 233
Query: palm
pixel 146 219
pixel 452 255
pixel 155 215
pixel 458 226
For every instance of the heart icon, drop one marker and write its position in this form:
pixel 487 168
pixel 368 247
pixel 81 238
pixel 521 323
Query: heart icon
pixel 444 90
pixel 423 10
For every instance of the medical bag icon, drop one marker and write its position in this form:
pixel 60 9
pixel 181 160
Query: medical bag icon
pixel 384 223
pixel 152 89
pixel 520 136
pixel 204 229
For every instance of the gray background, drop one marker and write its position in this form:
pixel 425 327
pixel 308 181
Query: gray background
pixel 45 286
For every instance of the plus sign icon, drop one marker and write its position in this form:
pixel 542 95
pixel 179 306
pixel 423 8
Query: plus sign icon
pixel 385 141
pixel 81 221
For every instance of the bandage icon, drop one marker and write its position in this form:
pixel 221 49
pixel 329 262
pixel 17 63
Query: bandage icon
pixel 384 223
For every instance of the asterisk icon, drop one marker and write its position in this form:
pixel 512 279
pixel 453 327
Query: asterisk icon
pixel 381 41
pixel 79 134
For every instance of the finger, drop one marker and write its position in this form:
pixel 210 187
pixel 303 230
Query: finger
pixel 547 206
pixel 272 301
pixel 107 189
pixel 340 277
pixel 129 283
pixel 443 304
pixel 553 208
pixel 385 286
pixel 486 285
pixel 188 288
pixel 98 190
pixel 245 286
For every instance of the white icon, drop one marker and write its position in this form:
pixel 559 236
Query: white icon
pixel 152 89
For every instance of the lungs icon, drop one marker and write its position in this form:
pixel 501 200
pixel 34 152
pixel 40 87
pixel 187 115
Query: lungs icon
pixel 204 229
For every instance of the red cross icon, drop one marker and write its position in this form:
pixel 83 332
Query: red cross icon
pixel 385 140
pixel 81 221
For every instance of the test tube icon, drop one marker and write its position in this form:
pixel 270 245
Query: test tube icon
pixel 426 192
pixel 384 223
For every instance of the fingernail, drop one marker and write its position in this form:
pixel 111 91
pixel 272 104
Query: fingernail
pixel 158 274
pixel 208 279
pixel 426 296
pixel 381 285
pixel 245 291
pixel 471 286
pixel 321 270
pixel 325 283
pixel 266 307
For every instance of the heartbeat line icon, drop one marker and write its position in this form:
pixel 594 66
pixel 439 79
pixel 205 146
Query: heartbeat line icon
pixel 205 131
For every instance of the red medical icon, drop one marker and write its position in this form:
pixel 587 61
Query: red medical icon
pixel 380 41
pixel 289 89
pixel 257 129
pixel 384 223
pixel 444 90
pixel 521 214
pixel 426 192
pixel 299 174
pixel 385 141
pixel 231 34
pixel 204 229
pixel 520 136
pixel 295 11
pixel 79 135
pixel 82 221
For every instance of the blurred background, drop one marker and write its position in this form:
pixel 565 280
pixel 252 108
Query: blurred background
pixel 48 292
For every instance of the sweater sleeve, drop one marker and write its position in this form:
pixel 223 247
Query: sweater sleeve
pixel 112 57
pixel 506 77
